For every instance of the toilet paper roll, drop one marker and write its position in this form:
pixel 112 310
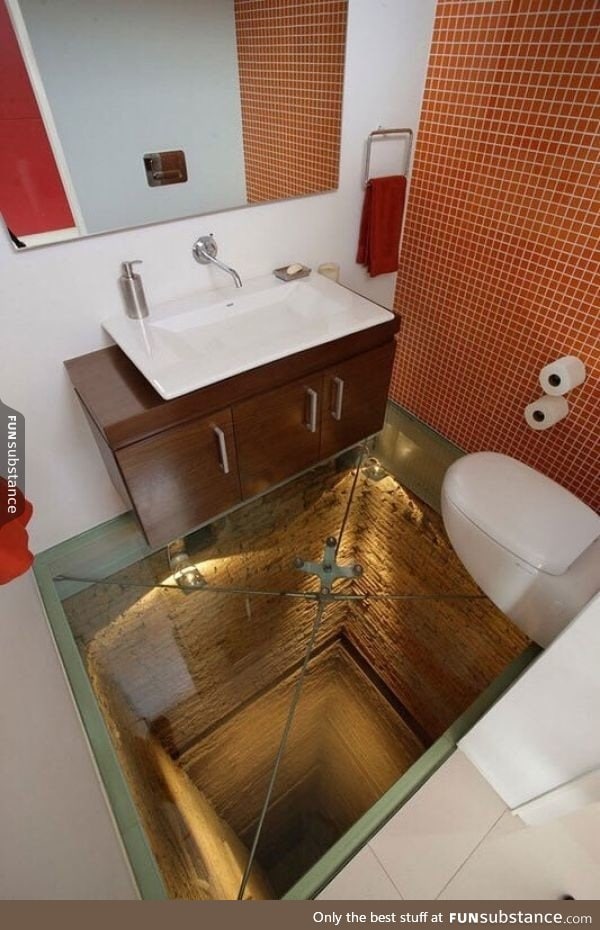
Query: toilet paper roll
pixel 562 375
pixel 545 412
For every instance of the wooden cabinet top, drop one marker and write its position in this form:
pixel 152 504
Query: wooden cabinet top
pixel 126 408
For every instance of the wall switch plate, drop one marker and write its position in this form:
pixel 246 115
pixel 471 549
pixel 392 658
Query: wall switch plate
pixel 165 168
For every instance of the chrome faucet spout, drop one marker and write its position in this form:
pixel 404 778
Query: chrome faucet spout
pixel 205 252
pixel 227 268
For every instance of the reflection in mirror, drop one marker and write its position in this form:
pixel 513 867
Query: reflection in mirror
pixel 136 111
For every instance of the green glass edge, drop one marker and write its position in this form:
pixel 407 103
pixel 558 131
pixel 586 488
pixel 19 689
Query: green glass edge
pixel 334 860
pixel 114 545
pixel 108 547
pixel 141 859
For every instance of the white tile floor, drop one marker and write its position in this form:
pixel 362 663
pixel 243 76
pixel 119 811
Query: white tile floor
pixel 456 839
pixel 440 826
pixel 428 840
pixel 363 879
pixel 534 863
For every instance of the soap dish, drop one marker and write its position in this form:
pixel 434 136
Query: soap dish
pixel 283 273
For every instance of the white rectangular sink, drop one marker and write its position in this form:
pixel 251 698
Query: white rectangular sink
pixel 187 344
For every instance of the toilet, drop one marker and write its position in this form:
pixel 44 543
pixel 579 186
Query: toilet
pixel 531 545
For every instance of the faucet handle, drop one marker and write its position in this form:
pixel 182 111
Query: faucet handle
pixel 204 249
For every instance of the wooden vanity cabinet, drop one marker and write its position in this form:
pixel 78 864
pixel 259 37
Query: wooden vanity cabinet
pixel 182 476
pixel 182 462
pixel 284 431
pixel 354 399
pixel 278 434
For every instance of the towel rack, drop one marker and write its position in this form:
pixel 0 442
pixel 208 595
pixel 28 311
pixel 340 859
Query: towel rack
pixel 386 132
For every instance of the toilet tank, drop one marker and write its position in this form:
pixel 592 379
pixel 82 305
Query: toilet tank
pixel 525 512
pixel 532 546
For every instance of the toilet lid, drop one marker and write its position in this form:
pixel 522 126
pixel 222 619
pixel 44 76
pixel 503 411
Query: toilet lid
pixel 529 514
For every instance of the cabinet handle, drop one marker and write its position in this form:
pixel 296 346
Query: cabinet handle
pixel 311 421
pixel 223 457
pixel 338 398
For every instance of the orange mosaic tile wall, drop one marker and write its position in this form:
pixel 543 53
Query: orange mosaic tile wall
pixel 500 260
pixel 291 60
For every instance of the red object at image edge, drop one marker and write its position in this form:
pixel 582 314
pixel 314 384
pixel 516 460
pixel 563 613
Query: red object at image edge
pixel 15 557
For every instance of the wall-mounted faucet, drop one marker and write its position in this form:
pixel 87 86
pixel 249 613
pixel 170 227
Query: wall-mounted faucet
pixel 205 252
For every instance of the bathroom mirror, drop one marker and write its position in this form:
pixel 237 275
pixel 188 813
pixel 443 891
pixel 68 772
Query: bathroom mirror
pixel 131 112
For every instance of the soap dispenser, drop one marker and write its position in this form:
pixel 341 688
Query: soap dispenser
pixel 136 307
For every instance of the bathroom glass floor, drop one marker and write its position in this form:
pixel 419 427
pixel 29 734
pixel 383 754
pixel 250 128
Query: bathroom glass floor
pixel 255 725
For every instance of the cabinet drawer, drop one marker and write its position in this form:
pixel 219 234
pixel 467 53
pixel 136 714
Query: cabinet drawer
pixel 277 434
pixel 354 398
pixel 182 476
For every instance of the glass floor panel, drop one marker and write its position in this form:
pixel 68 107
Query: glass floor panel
pixel 234 736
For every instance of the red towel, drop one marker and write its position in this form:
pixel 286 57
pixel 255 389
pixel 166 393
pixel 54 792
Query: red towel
pixel 381 224
pixel 15 557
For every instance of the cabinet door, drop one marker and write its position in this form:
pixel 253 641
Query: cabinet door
pixel 277 434
pixel 182 476
pixel 354 398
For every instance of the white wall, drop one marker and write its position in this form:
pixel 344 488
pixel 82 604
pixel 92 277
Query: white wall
pixel 388 49
pixel 142 77
pixel 51 303
pixel 57 839
pixel 544 731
